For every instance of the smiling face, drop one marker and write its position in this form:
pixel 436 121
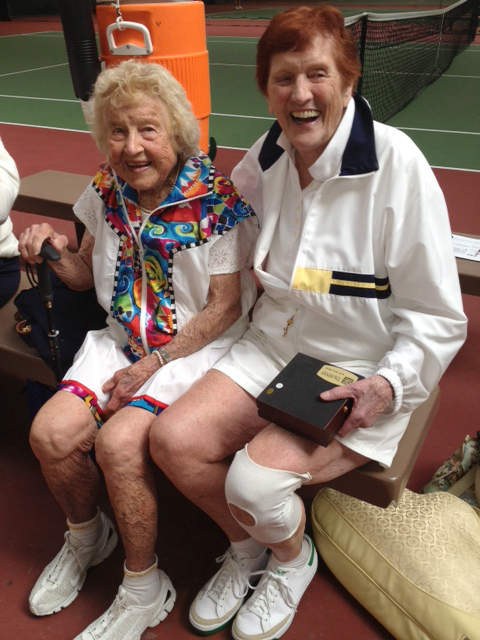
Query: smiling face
pixel 308 96
pixel 140 145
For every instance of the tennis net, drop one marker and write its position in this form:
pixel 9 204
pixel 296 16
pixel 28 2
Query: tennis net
pixel 403 53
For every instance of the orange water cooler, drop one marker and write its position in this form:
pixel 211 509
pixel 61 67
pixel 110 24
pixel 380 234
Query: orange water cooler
pixel 172 34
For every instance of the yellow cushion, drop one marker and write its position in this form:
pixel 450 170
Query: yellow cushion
pixel 415 567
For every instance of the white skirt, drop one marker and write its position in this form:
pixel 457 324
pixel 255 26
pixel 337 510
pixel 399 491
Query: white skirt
pixel 101 355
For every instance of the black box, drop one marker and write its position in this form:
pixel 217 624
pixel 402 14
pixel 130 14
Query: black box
pixel 292 399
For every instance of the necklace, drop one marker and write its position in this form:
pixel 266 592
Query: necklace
pixel 146 211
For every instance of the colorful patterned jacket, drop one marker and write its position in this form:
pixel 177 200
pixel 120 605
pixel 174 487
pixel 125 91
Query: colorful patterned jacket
pixel 151 273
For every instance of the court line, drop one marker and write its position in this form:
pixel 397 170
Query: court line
pixel 50 34
pixel 455 169
pixel 38 98
pixel 455 75
pixel 233 115
pixel 42 126
pixel 50 66
pixel 465 133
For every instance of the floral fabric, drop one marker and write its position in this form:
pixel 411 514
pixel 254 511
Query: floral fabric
pixel 455 467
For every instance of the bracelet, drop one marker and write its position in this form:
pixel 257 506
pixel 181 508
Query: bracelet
pixel 161 361
pixel 165 355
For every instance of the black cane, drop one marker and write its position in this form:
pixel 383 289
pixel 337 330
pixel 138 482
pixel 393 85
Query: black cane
pixel 45 286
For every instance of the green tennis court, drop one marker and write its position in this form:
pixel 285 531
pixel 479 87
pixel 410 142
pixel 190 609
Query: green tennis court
pixel 36 90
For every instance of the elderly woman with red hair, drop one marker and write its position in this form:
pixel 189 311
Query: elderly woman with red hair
pixel 355 259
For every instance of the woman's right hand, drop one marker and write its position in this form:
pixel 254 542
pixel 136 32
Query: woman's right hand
pixel 31 240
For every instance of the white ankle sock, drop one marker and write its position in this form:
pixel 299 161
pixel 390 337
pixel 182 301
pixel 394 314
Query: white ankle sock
pixel 297 563
pixel 144 585
pixel 249 546
pixel 86 533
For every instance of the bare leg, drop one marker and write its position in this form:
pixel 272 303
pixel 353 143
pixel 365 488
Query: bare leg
pixel 193 442
pixel 122 453
pixel 61 437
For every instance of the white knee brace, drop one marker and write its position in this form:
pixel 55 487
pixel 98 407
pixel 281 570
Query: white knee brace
pixel 267 495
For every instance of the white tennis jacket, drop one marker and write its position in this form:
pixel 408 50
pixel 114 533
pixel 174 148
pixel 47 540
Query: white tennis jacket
pixel 374 277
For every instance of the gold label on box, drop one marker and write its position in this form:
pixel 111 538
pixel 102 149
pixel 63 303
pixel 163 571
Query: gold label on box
pixel 335 375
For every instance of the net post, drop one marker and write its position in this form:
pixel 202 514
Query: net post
pixel 361 53
pixel 474 21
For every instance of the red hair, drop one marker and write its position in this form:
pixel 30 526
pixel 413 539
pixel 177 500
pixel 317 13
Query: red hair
pixel 295 30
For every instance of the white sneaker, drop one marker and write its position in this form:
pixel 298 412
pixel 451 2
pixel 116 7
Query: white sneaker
pixel 125 619
pixel 221 598
pixel 62 579
pixel 269 612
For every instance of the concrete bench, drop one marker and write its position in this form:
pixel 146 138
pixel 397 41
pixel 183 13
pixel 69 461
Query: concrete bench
pixel 53 193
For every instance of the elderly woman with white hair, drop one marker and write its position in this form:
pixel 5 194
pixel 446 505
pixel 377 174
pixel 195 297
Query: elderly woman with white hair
pixel 167 246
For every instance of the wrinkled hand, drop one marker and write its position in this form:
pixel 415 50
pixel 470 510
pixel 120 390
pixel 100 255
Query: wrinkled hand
pixel 31 240
pixel 371 397
pixel 126 382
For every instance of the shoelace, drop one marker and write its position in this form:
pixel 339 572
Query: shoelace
pixel 267 591
pixel 111 614
pixel 63 559
pixel 229 571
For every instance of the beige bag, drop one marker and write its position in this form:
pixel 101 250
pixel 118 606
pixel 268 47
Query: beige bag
pixel 415 567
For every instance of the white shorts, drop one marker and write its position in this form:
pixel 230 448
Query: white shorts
pixel 253 363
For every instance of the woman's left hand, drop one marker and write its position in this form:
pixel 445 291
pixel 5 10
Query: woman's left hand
pixel 221 311
pixel 371 396
pixel 127 381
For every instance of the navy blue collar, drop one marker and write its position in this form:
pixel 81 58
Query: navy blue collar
pixel 359 156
